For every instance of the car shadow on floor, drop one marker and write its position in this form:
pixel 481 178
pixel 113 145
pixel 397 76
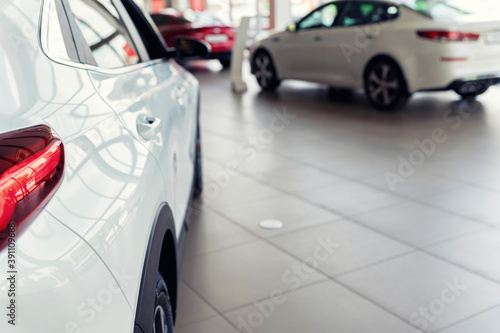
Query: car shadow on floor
pixel 422 107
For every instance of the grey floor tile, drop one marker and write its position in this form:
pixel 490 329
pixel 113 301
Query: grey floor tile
pixel 479 252
pixel 487 322
pixel 323 307
pixel 360 165
pixel 190 307
pixel 224 190
pixel 254 160
pixel 339 246
pixel 310 151
pixel 417 185
pixel 299 178
pixel 209 232
pixel 218 147
pixel 350 198
pixel 418 224
pixel 430 293
pixel 211 325
pixel 293 212
pixel 469 201
pixel 244 274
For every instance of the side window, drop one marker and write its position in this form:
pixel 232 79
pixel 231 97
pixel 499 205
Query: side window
pixel 58 38
pixel 323 17
pixel 358 13
pixel 160 19
pixel 105 33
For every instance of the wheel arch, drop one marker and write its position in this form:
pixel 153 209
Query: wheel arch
pixel 384 56
pixel 161 256
pixel 266 50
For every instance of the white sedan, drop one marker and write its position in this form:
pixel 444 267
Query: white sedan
pixel 99 158
pixel 390 48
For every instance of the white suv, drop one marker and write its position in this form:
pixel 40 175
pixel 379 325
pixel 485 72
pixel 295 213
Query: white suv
pixel 99 159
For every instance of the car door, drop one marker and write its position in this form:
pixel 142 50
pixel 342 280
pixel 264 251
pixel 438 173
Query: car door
pixel 350 44
pixel 304 53
pixel 150 97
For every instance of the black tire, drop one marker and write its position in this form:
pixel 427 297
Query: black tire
pixel 265 72
pixel 163 315
pixel 472 90
pixel 385 85
pixel 198 170
pixel 226 63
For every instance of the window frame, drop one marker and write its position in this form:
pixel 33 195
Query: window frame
pixel 84 51
pixel 341 5
pixel 379 3
pixel 73 54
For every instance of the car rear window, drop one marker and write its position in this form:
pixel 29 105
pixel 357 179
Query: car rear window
pixel 438 9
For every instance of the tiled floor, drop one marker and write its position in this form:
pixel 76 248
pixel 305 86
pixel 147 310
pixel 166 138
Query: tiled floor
pixel 385 229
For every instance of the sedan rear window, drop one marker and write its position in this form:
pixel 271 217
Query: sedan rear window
pixel 438 9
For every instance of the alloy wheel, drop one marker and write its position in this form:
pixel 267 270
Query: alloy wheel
pixel 160 325
pixel 384 85
pixel 265 72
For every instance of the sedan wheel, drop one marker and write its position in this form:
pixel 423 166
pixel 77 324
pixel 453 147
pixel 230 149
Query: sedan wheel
pixel 163 316
pixel 265 71
pixel 385 86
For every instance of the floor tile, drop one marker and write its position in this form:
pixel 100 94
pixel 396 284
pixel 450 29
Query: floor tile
pixel 293 212
pixel 486 322
pixel 339 246
pixel 223 189
pixel 210 232
pixel 244 274
pixel 323 307
pixel 478 252
pixel 417 185
pixel 429 292
pixel 417 224
pixel 191 307
pixel 469 201
pixel 299 178
pixel 350 198
pixel 211 325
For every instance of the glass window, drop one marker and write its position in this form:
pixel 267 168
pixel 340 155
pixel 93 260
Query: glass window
pixel 323 17
pixel 357 13
pixel 160 19
pixel 105 33
pixel 439 9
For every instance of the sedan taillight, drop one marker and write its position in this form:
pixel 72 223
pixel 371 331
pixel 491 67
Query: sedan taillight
pixel 31 166
pixel 448 36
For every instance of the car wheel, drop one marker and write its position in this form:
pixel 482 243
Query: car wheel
pixel 226 63
pixel 385 85
pixel 163 315
pixel 265 71
pixel 198 170
pixel 472 89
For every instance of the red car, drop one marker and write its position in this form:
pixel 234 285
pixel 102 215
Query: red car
pixel 197 25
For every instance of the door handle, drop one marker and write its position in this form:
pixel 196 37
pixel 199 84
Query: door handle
pixel 148 127
pixel 318 38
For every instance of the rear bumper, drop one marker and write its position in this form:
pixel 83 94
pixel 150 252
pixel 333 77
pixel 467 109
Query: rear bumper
pixel 478 80
pixel 490 79
pixel 225 56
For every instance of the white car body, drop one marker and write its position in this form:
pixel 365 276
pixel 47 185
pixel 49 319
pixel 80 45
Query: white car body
pixel 339 55
pixel 81 263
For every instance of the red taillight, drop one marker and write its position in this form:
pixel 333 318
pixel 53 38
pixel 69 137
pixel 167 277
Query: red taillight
pixel 31 166
pixel 448 36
